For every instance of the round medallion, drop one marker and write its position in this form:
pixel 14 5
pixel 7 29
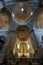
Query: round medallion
pixel 23 33
pixel 39 18
pixel 5 19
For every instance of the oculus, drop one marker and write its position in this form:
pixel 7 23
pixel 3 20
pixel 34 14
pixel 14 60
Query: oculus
pixel 22 13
